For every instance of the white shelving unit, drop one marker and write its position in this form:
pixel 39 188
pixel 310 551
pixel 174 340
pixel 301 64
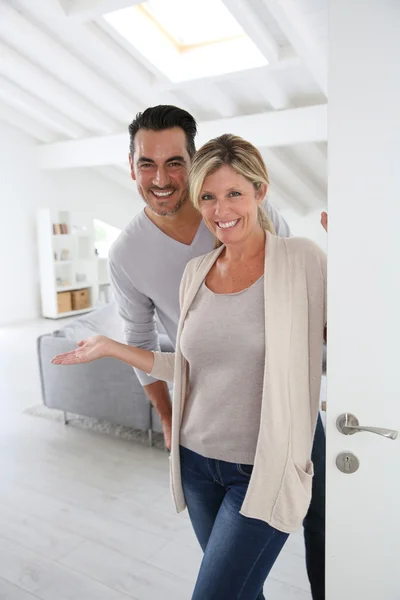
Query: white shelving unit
pixel 68 261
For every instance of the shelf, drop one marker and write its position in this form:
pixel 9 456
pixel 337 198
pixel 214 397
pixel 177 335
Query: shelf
pixel 75 234
pixel 69 288
pixel 71 262
pixel 66 249
pixel 72 313
pixel 103 283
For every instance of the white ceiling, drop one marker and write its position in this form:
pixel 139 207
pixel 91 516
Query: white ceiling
pixel 69 80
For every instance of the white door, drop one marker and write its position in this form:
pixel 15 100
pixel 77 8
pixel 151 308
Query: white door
pixel 363 508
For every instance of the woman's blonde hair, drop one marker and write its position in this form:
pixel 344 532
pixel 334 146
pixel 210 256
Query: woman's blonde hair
pixel 241 156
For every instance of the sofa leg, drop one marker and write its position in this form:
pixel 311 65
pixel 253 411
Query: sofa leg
pixel 65 418
pixel 150 434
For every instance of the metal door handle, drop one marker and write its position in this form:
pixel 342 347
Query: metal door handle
pixel 348 425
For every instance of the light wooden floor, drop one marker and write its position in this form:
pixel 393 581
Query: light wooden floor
pixel 87 517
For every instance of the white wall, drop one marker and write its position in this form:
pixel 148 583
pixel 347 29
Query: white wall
pixel 24 189
pixel 307 226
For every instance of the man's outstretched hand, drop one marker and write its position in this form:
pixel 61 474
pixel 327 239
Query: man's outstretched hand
pixel 324 220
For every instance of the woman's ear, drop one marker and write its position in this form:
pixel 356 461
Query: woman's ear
pixel 261 193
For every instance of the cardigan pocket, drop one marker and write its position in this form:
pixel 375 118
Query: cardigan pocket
pixel 294 496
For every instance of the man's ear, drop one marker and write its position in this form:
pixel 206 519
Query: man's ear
pixel 131 167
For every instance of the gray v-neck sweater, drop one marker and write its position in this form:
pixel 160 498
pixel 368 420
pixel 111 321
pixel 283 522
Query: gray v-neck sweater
pixel 223 341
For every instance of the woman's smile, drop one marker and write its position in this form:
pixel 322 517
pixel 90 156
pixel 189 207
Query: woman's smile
pixel 227 224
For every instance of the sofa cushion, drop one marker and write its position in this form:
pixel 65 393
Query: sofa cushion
pixel 102 321
pixel 105 321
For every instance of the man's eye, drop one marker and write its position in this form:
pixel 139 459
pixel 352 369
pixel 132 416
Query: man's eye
pixel 145 165
pixel 175 164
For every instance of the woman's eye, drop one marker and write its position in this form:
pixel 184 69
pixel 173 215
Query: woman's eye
pixel 235 194
pixel 206 197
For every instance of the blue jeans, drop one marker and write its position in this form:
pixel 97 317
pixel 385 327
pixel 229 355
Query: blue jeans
pixel 314 523
pixel 239 552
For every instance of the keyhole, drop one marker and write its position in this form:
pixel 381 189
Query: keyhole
pixel 347 462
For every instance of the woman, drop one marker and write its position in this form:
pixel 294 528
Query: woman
pixel 246 375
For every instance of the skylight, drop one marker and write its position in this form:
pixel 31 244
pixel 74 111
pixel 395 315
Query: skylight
pixel 187 39
pixel 191 23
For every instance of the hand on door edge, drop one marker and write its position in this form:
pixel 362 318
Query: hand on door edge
pixel 324 220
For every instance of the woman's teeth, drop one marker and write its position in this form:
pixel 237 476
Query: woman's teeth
pixel 227 224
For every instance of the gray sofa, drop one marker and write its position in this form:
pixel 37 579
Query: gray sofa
pixel 106 390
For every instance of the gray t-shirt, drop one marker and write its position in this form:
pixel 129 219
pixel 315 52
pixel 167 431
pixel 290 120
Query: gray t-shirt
pixel 223 340
pixel 146 268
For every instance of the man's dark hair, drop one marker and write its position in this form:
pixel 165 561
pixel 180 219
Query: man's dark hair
pixel 158 118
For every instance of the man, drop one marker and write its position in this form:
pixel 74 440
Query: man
pixel 147 262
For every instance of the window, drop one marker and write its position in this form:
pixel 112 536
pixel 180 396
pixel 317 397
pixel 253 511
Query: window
pixel 105 235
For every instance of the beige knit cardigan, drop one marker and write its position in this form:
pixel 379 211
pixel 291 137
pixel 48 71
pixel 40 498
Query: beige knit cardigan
pixel 279 490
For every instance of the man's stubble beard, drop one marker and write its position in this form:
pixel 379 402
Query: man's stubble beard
pixel 172 211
